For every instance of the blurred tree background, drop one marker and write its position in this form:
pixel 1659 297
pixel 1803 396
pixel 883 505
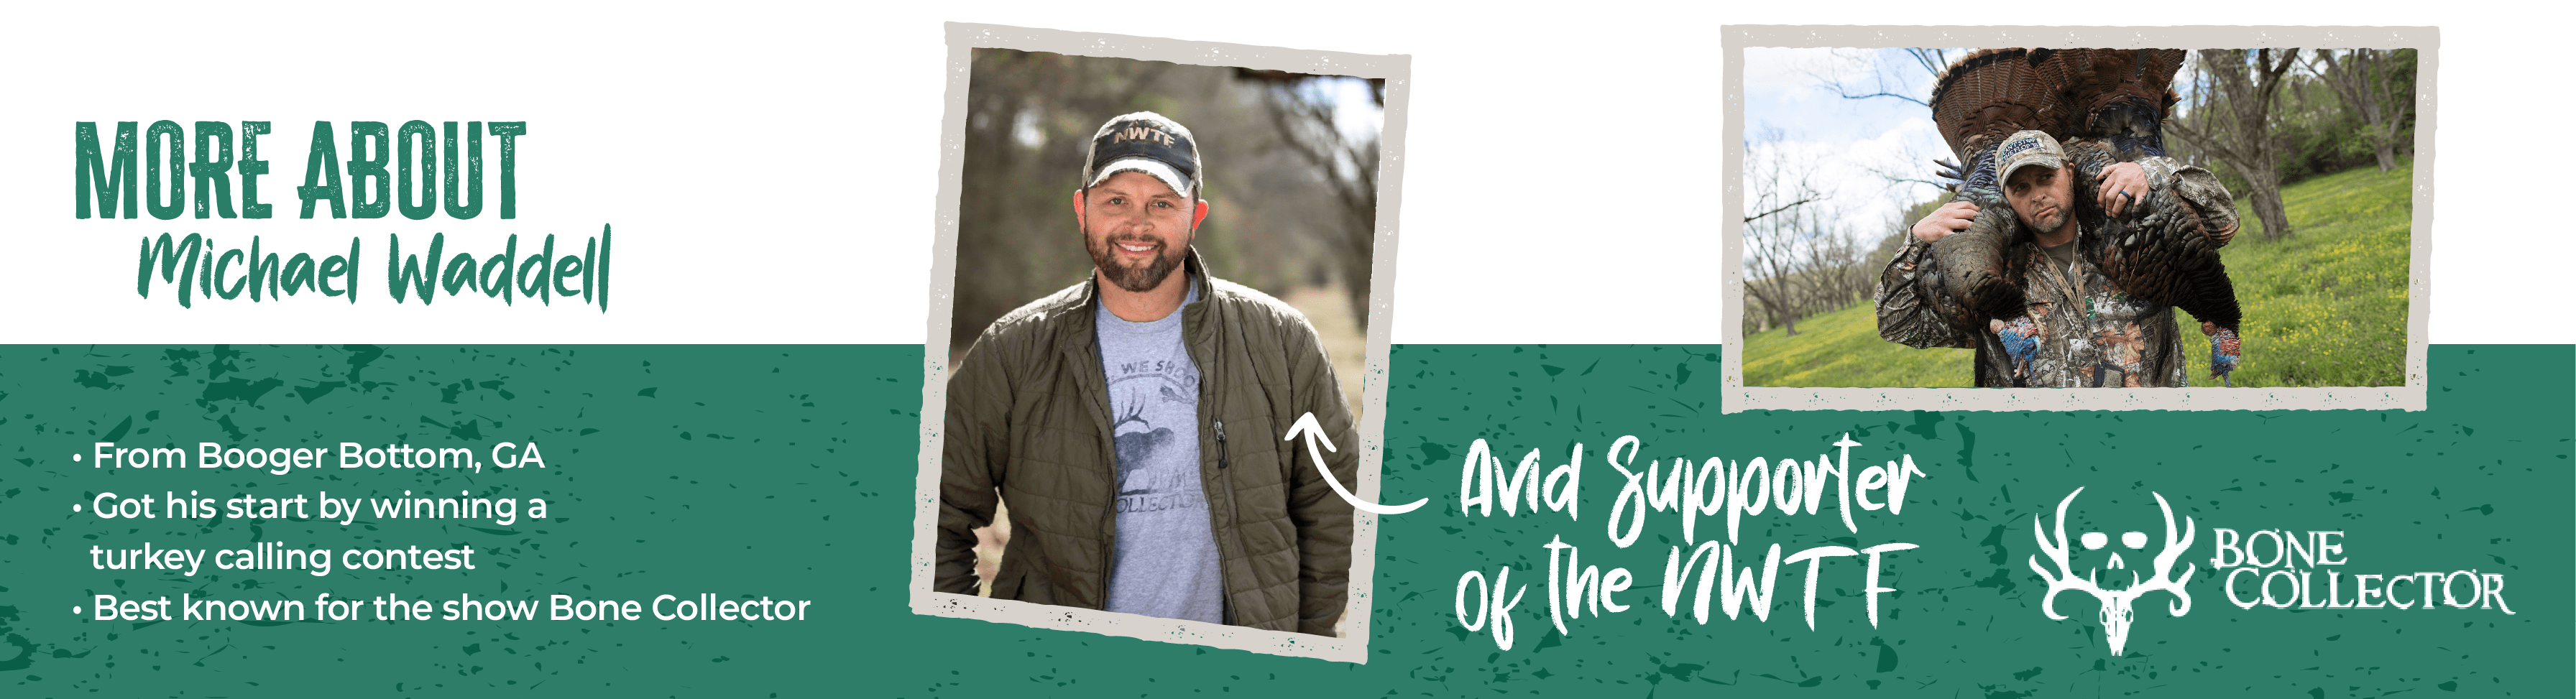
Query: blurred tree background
pixel 1290 176
pixel 2333 110
pixel 1289 172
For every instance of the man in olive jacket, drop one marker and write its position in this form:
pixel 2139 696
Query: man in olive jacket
pixel 1135 423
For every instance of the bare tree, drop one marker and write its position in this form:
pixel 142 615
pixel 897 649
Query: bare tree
pixel 2374 86
pixel 1837 272
pixel 1283 222
pixel 1877 85
pixel 1309 126
pixel 1782 224
pixel 2231 119
pixel 1946 175
pixel 1031 116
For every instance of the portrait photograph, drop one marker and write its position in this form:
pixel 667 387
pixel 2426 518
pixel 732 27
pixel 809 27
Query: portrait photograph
pixel 1157 336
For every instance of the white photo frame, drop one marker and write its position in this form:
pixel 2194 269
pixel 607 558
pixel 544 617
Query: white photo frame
pixel 2411 396
pixel 1395 70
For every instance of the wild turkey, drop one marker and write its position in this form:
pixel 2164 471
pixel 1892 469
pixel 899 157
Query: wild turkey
pixel 2118 96
pixel 2106 106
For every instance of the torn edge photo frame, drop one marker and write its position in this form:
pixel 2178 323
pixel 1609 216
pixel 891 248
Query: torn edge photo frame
pixel 1738 397
pixel 962 39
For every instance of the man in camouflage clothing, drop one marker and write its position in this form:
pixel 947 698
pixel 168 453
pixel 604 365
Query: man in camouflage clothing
pixel 2077 329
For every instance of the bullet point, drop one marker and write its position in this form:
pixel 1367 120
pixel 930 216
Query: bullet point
pixel 75 507
pixel 75 610
pixel 75 457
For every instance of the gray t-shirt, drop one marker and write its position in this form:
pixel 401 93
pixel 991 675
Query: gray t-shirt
pixel 1166 556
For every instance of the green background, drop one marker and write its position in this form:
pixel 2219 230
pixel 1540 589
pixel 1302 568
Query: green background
pixel 768 171
pixel 787 472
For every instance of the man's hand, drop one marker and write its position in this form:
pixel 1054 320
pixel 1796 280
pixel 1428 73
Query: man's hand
pixel 2121 185
pixel 1950 218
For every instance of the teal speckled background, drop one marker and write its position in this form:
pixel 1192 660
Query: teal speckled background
pixel 786 471
pixel 2481 480
pixel 735 470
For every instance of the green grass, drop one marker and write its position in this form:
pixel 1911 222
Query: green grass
pixel 1842 349
pixel 2327 308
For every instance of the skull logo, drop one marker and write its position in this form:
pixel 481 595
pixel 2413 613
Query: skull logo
pixel 2116 612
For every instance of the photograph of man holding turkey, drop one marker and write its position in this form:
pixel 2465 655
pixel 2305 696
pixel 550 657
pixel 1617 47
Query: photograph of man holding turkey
pixel 2087 199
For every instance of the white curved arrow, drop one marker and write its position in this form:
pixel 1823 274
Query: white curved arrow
pixel 1314 433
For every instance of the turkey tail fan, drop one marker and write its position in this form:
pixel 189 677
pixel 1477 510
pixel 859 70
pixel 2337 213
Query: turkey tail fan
pixel 2098 77
pixel 1986 96
pixel 2121 95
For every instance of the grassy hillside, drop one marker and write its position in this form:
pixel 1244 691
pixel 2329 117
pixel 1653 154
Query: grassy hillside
pixel 2327 308
pixel 1842 349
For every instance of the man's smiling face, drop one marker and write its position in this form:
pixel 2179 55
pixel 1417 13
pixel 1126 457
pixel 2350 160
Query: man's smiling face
pixel 1137 229
pixel 2041 196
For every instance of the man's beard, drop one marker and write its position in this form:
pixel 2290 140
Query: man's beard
pixel 1104 255
pixel 2044 226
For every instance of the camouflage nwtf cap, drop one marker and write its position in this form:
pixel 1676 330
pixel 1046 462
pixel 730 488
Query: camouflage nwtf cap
pixel 2027 148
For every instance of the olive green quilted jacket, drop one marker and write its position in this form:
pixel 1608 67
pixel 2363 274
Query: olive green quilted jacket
pixel 1028 425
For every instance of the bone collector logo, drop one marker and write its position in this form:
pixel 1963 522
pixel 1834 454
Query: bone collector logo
pixel 2275 568
pixel 2116 611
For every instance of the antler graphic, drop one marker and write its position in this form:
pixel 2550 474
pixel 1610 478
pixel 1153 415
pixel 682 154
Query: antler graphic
pixel 2116 613
pixel 2164 563
pixel 1132 412
pixel 2065 580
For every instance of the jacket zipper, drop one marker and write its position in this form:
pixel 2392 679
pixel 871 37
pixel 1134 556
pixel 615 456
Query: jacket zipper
pixel 1225 476
pixel 1108 515
pixel 1225 481
pixel 1109 544
pixel 1220 444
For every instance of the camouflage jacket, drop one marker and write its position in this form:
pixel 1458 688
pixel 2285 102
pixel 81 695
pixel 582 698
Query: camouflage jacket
pixel 2116 341
pixel 2079 332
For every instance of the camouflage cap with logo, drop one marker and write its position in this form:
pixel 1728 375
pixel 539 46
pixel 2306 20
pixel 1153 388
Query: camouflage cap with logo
pixel 1144 142
pixel 2028 148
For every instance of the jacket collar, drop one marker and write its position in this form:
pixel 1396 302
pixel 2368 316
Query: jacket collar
pixel 1084 307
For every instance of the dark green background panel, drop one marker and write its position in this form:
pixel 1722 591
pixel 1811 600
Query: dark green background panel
pixel 787 472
